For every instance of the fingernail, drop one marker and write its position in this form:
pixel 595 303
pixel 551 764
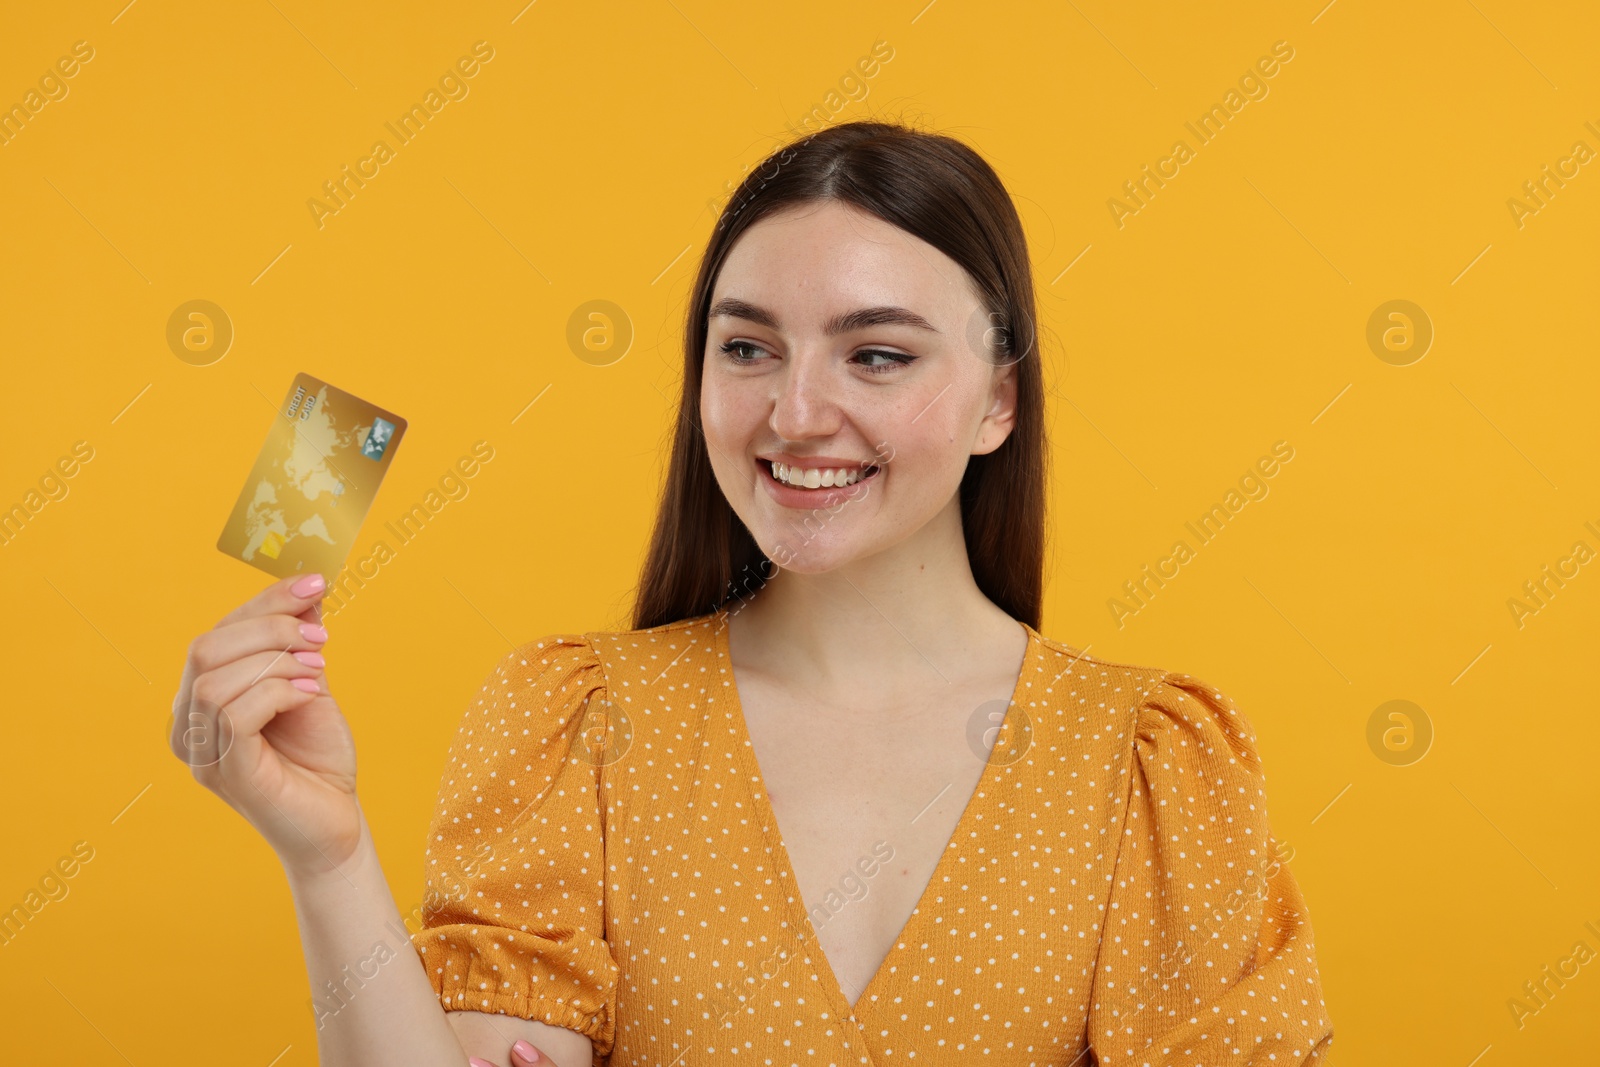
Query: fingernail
pixel 311 659
pixel 526 1051
pixel 310 585
pixel 313 632
pixel 476 1062
pixel 306 685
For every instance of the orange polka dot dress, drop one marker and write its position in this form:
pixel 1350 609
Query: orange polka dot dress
pixel 604 858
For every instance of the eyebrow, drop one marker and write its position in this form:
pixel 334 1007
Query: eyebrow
pixel 859 319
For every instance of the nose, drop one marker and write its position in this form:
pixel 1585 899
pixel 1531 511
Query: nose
pixel 805 404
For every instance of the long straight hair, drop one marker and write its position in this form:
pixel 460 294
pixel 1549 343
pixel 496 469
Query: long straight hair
pixel 936 188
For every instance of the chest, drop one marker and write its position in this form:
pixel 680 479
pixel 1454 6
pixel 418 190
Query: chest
pixel 866 806
pixel 776 863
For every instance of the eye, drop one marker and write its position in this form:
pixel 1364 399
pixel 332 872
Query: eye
pixel 735 351
pixel 898 360
pixel 728 348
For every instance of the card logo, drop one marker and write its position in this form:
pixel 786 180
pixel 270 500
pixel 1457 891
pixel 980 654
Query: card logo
pixel 377 438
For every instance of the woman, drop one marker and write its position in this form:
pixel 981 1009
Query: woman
pixel 834 799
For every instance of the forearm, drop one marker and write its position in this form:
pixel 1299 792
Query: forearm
pixel 371 999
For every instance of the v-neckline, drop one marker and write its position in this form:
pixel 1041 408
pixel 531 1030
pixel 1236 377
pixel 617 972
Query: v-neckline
pixel 745 752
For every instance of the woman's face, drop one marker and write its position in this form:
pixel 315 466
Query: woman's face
pixel 856 346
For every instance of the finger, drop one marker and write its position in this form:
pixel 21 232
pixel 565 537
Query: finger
pixel 247 636
pixel 261 703
pixel 525 1055
pixel 204 733
pixel 223 685
pixel 289 596
pixel 210 650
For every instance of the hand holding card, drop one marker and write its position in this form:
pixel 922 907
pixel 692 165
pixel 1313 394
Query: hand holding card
pixel 313 482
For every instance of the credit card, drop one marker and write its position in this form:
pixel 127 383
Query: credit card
pixel 313 483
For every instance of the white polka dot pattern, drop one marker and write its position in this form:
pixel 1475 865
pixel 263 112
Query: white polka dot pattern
pixel 1207 956
pixel 514 860
pixel 1111 897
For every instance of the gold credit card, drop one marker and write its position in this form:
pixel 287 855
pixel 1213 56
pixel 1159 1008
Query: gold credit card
pixel 313 482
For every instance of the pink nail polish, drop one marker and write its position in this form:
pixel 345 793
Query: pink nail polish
pixel 311 659
pixel 306 685
pixel 313 632
pixel 476 1062
pixel 526 1051
pixel 310 585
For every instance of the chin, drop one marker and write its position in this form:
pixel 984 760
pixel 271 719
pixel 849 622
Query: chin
pixel 798 556
pixel 801 563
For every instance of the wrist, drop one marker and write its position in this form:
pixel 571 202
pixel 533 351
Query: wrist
pixel 321 874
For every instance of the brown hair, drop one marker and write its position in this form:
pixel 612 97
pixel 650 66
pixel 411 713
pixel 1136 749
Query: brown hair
pixel 934 187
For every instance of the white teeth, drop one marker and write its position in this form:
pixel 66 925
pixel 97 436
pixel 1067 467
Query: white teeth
pixel 816 478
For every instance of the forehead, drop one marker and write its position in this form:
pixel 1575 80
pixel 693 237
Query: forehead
pixel 829 255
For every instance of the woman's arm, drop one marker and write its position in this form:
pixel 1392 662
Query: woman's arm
pixel 555 1044
pixel 373 1003
pixel 1206 955
pixel 254 721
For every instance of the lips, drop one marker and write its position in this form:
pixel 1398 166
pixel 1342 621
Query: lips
pixel 810 462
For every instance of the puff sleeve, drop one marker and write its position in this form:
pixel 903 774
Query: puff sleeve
pixel 513 920
pixel 1206 956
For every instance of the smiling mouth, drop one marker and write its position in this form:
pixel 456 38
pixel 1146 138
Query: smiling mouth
pixel 770 467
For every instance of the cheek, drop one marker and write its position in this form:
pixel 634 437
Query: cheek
pixel 919 430
pixel 730 418
pixel 721 412
pixel 927 445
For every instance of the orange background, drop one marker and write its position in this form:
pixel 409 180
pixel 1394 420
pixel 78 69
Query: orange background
pixel 1228 313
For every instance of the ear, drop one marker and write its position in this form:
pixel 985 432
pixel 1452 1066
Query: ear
pixel 1001 418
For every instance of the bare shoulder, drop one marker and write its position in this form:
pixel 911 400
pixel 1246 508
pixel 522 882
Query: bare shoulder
pixel 490 1037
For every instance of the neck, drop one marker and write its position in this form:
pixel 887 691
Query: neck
pixel 891 623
